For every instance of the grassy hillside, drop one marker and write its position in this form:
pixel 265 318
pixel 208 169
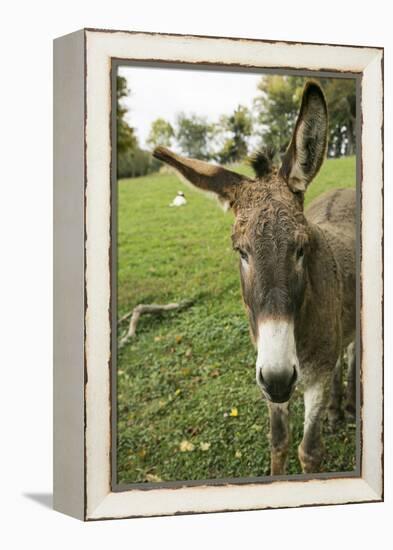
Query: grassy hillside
pixel 188 405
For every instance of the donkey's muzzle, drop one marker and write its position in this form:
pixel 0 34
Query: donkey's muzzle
pixel 277 387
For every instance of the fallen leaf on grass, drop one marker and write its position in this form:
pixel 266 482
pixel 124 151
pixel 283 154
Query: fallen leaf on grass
pixel 153 478
pixel 234 412
pixel 186 446
pixel 204 446
pixel 238 454
pixel 178 338
pixel 214 373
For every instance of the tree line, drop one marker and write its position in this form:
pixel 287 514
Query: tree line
pixel 228 139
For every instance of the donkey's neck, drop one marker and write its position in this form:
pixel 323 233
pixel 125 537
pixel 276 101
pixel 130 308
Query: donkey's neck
pixel 317 321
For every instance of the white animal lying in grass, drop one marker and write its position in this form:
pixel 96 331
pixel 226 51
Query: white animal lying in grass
pixel 179 200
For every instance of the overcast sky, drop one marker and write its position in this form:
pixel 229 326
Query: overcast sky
pixel 157 92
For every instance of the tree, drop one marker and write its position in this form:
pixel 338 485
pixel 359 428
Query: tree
pixel 161 133
pixel 278 105
pixel 132 161
pixel 194 135
pixel 277 109
pixel 126 140
pixel 136 163
pixel 239 127
pixel 341 99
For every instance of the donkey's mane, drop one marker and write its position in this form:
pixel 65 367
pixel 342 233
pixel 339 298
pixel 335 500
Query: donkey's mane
pixel 262 162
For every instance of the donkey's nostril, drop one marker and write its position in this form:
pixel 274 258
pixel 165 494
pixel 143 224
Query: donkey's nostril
pixel 260 379
pixel 278 386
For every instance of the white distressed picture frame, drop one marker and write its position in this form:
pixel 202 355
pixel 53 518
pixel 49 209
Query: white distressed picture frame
pixel 82 240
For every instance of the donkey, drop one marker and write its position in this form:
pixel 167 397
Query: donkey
pixel 297 271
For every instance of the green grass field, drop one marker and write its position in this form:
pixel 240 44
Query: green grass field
pixel 188 404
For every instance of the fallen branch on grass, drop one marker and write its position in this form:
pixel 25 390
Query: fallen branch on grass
pixel 140 309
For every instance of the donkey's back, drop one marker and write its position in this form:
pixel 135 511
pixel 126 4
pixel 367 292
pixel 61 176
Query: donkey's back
pixel 336 208
pixel 335 213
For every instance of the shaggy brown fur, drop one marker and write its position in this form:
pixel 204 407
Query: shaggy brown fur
pixel 296 266
pixel 262 162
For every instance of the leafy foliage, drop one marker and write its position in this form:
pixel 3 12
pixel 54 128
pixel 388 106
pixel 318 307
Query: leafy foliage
pixel 132 161
pixel 239 127
pixel 161 133
pixel 278 104
pixel 135 163
pixel 126 139
pixel 193 135
pixel 277 109
pixel 341 98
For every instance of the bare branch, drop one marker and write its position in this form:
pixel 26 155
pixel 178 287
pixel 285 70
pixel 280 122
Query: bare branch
pixel 140 309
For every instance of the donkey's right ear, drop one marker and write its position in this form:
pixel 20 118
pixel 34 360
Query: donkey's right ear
pixel 307 149
pixel 208 177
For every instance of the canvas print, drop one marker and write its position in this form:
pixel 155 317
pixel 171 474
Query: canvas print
pixel 236 275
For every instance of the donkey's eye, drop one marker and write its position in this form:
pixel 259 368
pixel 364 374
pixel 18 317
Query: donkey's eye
pixel 243 255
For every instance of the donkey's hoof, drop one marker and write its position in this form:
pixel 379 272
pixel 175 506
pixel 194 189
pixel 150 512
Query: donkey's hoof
pixel 310 462
pixel 278 465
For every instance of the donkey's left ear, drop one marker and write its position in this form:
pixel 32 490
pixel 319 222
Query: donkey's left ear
pixel 223 183
pixel 307 149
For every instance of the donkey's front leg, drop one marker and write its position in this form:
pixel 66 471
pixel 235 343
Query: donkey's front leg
pixel 279 437
pixel 350 406
pixel 311 448
pixel 335 413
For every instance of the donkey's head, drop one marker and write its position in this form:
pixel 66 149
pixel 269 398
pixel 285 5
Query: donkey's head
pixel 272 237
